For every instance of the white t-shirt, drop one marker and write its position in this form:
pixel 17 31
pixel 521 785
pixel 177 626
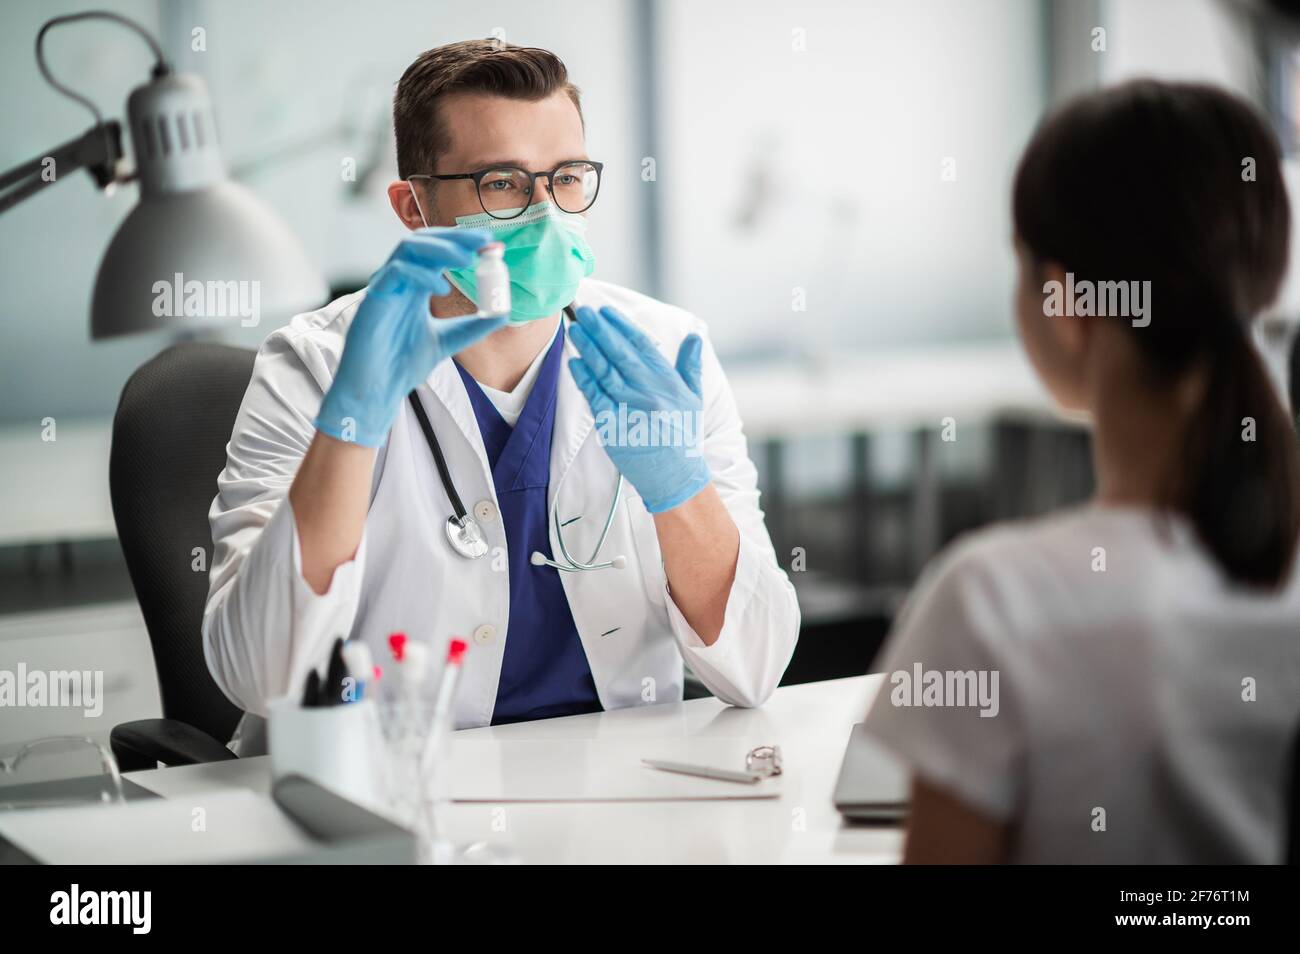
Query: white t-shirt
pixel 1151 697
pixel 510 404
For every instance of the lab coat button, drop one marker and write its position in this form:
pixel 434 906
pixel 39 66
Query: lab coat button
pixel 485 634
pixel 486 511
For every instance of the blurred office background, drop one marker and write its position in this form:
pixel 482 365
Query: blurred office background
pixel 825 183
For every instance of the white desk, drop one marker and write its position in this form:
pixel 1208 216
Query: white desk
pixel 810 722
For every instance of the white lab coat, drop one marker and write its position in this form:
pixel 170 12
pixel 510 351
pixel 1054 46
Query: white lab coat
pixel 264 627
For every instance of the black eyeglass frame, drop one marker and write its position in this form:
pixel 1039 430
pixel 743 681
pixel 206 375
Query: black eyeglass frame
pixel 477 179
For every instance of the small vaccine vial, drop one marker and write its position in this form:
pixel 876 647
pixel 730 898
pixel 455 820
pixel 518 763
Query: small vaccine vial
pixel 493 280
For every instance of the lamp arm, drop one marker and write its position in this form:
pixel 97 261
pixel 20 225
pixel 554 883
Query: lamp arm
pixel 98 150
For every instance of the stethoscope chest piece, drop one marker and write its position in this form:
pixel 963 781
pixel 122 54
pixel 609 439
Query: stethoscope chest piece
pixel 466 537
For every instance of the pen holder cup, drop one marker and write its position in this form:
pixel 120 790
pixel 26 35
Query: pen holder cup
pixel 339 747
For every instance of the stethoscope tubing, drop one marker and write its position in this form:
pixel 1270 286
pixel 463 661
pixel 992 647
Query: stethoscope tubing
pixel 463 520
pixel 573 566
pixel 438 459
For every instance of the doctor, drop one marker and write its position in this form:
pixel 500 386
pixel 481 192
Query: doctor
pixel 333 516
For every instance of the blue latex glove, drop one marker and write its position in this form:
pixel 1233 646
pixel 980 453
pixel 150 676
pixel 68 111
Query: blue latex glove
pixel 620 365
pixel 393 342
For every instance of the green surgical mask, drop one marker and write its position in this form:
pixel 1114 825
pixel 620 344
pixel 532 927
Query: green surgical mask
pixel 547 255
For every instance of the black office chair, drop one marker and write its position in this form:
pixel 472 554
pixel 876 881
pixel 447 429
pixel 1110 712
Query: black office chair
pixel 173 421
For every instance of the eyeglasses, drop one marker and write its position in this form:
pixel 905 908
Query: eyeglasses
pixel 505 192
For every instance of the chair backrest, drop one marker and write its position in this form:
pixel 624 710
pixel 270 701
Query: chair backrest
pixel 173 422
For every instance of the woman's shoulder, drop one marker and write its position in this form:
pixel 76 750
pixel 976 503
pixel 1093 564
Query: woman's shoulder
pixel 1014 548
pixel 1073 569
pixel 1091 569
pixel 1081 542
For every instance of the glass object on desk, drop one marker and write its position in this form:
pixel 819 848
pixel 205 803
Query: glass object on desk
pixel 417 725
pixel 40 790
pixel 411 771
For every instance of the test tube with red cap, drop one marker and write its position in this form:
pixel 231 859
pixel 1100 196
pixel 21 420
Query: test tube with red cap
pixel 444 712
pixel 437 755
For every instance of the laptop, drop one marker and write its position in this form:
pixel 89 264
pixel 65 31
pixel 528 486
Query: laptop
pixel 873 783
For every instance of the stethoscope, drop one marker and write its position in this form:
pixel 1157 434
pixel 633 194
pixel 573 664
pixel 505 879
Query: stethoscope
pixel 464 533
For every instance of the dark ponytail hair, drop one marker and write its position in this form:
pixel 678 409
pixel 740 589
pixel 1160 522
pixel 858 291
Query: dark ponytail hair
pixel 1152 181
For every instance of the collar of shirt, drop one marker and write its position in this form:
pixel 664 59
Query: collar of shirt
pixel 510 404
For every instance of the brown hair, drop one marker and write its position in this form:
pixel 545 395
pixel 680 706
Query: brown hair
pixel 1147 179
pixel 468 66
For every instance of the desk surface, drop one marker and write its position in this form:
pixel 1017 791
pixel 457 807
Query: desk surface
pixel 810 722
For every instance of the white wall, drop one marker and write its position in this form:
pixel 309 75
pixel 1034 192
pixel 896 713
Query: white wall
pixel 1207 40
pixel 820 169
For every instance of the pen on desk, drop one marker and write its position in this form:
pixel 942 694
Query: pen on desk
pixel 361 665
pixel 705 771
pixel 335 675
pixel 311 693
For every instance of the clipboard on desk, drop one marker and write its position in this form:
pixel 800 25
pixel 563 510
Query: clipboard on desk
pixel 592 770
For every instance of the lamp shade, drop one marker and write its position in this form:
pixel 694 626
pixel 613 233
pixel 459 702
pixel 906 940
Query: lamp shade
pixel 198 251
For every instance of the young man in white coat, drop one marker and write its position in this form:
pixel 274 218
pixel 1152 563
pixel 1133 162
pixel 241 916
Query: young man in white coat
pixel 593 413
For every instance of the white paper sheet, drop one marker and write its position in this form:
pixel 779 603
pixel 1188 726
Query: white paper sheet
pixel 587 770
pixel 200 828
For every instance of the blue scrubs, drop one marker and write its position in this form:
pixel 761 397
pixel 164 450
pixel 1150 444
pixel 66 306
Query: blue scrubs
pixel 545 671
